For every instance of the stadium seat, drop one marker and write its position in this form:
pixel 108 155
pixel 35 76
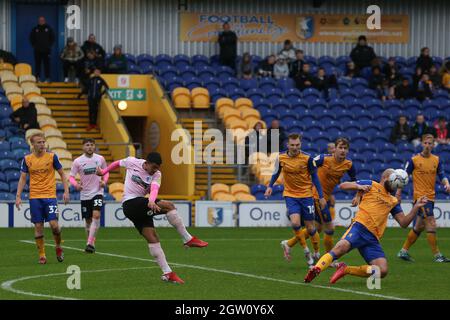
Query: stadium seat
pixel 230 83
pixel 255 93
pixel 43 110
pixel 274 93
pixel 56 143
pixel 12 175
pixel 181 60
pixel 235 123
pixel 182 98
pixel 249 113
pixel 247 84
pixel 228 113
pixel 199 61
pixel 21 69
pixel 200 98
pixel 219 187
pixel 236 93
pixel 163 60
pixel 286 83
pixel 267 83
pixel 243 102
pixel 224 102
pixel 6 196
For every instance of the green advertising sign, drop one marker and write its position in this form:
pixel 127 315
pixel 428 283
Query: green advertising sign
pixel 128 94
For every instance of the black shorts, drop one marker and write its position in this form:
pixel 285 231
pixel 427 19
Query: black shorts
pixel 139 213
pixel 87 206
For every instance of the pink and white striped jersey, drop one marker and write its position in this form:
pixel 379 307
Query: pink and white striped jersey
pixel 137 180
pixel 85 167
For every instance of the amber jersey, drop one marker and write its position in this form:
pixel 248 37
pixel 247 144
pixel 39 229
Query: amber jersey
pixel 42 174
pixel 297 174
pixel 424 171
pixel 375 207
pixel 330 173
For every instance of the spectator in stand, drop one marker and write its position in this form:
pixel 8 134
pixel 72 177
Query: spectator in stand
pixel 323 83
pixel 266 66
pixel 416 77
pixel 245 66
pixel 377 82
pixel 442 131
pixel 390 67
pixel 362 55
pixel 288 52
pixel 261 140
pixel 435 77
pixel 71 57
pixel 404 91
pixel 42 38
pixel 117 63
pixel 420 128
pixel 97 87
pixel 304 79
pixel 89 63
pixel 393 81
pixel 424 61
pixel 401 131
pixel 352 70
pixel 280 133
pixel 297 64
pixel 7 57
pixel 91 45
pixel 228 46
pixel 281 68
pixel 424 88
pixel 26 116
pixel 446 75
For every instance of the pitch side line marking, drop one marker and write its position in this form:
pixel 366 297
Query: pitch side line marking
pixel 213 239
pixel 235 273
pixel 8 285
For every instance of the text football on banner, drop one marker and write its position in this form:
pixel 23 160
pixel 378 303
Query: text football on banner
pixel 214 214
pixel 114 216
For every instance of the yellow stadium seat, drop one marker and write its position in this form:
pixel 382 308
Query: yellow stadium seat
pixel 222 196
pixel 243 102
pixel 200 98
pixel 64 154
pixel 43 110
pixel 30 92
pixel 38 99
pixel 12 89
pixel 52 132
pixel 223 102
pixel 116 186
pixel 27 78
pixel 22 69
pixel 56 143
pixel 219 187
pixel 28 86
pixel 118 195
pixel 249 113
pixel 6 67
pixel 229 114
pixel 16 101
pixel 239 187
pixel 46 121
pixel 235 123
pixel 8 77
pixel 181 97
pixel 227 110
pixel 244 197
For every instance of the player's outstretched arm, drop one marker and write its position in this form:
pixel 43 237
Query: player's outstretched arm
pixel 404 220
pixel 111 167
pixel 66 196
pixel 20 186
pixel 354 186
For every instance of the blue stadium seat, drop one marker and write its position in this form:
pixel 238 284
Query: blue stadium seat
pixel 173 82
pixel 12 176
pixel 13 187
pixel 145 60
pixel 267 83
pixel 248 84
pixel 437 61
pixel 210 83
pixel 311 60
pixel 186 71
pixel 274 93
pixel 255 93
pixel 9 165
pixel 167 71
pixel 192 82
pixel 7 155
pixel 133 69
pixel 441 94
pixel 181 60
pixel 326 60
pixel 108 197
pixel 217 94
pixel 277 192
pixel 6 196
pixel 292 94
pixel 444 104
pixel 131 58
pixel 258 191
pixel 225 71
pixel 368 94
pixel 280 105
pixel 147 69
pixel 344 84
pixel 163 60
pixel 5 112
pixel 4 187
pixel 311 93
pixel 206 72
pixel 230 83
pixel 411 62
pixel 236 93
pixel 7 123
pixel 286 83
pixel 200 60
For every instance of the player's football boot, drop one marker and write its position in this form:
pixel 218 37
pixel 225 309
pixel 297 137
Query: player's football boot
pixel 309 258
pixel 441 258
pixel 316 257
pixel 172 277
pixel 42 260
pixel 59 254
pixel 195 242
pixel 312 273
pixel 286 250
pixel 89 249
pixel 340 272
pixel 404 255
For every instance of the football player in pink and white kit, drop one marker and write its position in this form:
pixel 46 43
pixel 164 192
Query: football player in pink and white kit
pixel 91 187
pixel 143 177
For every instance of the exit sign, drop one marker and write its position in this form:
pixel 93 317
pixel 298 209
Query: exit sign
pixel 128 94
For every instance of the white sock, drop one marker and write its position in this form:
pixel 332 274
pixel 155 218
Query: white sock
pixel 157 252
pixel 176 222
pixel 93 231
pixel 306 250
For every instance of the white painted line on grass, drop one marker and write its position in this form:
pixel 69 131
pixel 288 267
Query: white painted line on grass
pixel 248 275
pixel 8 285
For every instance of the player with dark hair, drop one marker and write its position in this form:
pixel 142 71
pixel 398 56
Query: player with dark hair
pixel 300 174
pixel 144 177
pixel 91 187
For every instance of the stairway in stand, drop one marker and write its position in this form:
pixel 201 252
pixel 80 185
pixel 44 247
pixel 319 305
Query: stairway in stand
pixel 71 115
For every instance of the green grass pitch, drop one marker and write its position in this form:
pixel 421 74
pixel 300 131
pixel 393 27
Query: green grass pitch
pixel 240 263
